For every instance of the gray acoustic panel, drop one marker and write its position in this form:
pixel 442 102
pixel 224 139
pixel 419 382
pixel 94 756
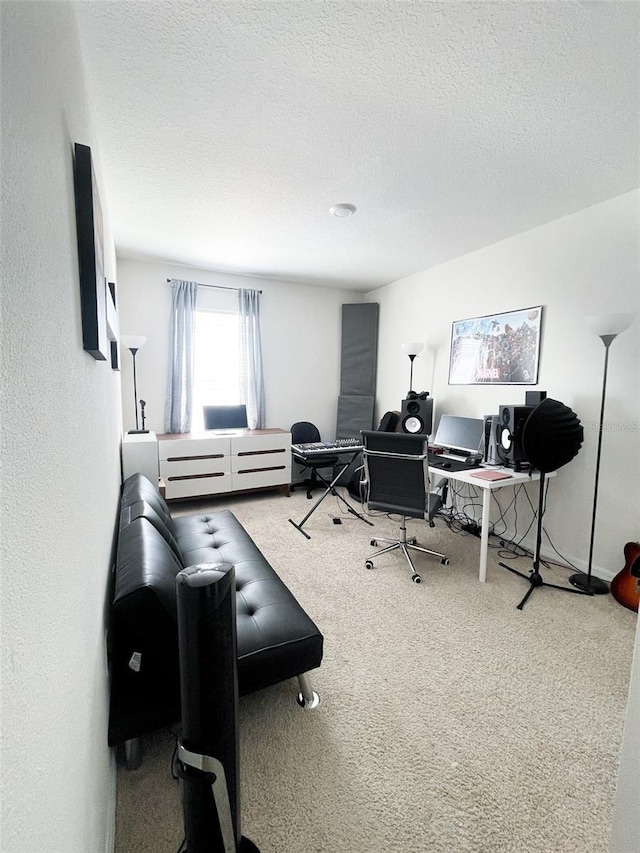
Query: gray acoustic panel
pixel 359 349
pixel 355 412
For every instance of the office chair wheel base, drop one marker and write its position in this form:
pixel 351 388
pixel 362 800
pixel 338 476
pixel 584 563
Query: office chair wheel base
pixel 416 578
pixel 373 543
pixel 444 561
pixel 368 564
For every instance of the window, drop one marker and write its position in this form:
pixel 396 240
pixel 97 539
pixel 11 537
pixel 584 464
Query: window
pixel 216 380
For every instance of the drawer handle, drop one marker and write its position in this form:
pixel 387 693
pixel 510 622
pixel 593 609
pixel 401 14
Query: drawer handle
pixel 195 476
pixel 261 452
pixel 259 470
pixel 191 458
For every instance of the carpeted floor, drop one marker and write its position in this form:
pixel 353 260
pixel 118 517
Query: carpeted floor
pixel 449 721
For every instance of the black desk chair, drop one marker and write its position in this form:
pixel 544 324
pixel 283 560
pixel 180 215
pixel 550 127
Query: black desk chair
pixel 304 432
pixel 397 476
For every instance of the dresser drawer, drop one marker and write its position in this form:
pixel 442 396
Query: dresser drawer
pixel 261 460
pixel 250 479
pixel 194 448
pixel 202 484
pixel 187 477
pixel 174 468
pixel 242 445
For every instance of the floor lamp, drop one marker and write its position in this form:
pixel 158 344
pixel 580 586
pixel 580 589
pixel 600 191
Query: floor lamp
pixel 133 344
pixel 607 327
pixel 412 350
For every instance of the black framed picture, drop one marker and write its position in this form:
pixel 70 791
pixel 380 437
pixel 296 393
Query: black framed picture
pixel 112 324
pixel 497 349
pixel 93 285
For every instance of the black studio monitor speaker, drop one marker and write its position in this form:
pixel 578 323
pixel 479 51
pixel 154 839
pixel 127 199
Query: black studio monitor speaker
pixel 510 424
pixel 490 456
pixel 533 398
pixel 417 415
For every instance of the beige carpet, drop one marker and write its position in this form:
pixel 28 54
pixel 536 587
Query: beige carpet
pixel 449 721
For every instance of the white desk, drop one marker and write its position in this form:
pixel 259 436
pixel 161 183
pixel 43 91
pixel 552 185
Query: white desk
pixel 517 478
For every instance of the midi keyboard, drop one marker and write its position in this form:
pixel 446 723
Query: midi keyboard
pixel 316 448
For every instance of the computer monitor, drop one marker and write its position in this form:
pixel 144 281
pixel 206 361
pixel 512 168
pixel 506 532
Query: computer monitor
pixel 461 435
pixel 225 417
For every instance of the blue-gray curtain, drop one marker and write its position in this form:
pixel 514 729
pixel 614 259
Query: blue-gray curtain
pixel 177 413
pixel 251 374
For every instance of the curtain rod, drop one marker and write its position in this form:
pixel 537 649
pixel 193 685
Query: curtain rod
pixel 216 286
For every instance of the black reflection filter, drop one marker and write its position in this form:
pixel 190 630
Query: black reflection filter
pixel 551 437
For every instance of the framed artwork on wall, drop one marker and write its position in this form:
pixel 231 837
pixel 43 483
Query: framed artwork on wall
pixel 93 285
pixel 112 324
pixel 497 349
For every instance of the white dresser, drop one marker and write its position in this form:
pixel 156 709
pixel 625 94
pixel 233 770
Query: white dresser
pixel 216 462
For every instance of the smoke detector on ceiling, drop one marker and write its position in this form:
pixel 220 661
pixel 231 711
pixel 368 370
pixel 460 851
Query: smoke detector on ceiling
pixel 342 210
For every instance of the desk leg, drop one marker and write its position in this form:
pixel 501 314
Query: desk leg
pixel 484 534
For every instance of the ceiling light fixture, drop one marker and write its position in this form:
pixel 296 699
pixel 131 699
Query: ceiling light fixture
pixel 342 210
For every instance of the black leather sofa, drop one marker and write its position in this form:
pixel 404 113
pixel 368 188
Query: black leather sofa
pixel 276 638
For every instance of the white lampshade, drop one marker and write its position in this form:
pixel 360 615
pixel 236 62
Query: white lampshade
pixel 609 324
pixel 412 349
pixel 133 341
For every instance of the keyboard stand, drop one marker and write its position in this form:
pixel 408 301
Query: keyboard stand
pixel 330 489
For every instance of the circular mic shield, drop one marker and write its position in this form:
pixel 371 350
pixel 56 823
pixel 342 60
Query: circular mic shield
pixel 552 436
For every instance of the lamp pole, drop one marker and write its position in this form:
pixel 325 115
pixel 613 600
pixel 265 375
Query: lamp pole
pixel 412 350
pixel 411 359
pixel 133 351
pixel 607 327
pixel 133 344
pixel 587 583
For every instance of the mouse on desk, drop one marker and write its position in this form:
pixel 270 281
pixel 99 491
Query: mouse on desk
pixel 446 465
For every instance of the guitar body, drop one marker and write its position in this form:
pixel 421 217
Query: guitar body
pixel 625 587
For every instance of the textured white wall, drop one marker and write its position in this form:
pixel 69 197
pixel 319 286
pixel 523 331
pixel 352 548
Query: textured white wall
pixel 581 264
pixel 60 449
pixel 301 334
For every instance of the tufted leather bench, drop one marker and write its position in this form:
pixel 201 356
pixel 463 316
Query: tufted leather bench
pixel 276 638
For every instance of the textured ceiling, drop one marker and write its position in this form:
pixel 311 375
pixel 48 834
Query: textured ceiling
pixel 227 129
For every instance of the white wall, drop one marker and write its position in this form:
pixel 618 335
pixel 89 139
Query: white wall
pixel 301 334
pixel 60 450
pixel 581 264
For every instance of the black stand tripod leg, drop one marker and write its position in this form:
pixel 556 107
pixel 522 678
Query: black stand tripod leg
pixel 330 490
pixel 524 600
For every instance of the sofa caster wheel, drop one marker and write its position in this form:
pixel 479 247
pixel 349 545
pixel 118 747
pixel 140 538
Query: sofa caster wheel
pixel 373 543
pixel 445 561
pixel 308 704
pixel 416 578
pixel 368 564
